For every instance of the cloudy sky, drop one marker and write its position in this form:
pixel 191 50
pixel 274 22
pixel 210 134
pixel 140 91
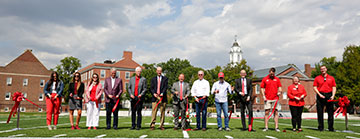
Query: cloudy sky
pixel 270 32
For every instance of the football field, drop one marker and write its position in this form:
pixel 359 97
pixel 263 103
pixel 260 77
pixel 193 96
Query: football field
pixel 34 125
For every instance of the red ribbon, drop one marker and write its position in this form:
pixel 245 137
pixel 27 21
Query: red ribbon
pixel 136 103
pixel 230 115
pixel 273 109
pixel 250 126
pixel 117 103
pixel 18 97
pixel 343 103
pixel 158 103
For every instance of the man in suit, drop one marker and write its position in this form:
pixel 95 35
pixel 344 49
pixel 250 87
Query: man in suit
pixel 137 89
pixel 243 86
pixel 180 91
pixel 113 88
pixel 158 88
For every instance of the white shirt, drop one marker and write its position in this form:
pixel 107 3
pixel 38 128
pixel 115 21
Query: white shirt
pixel 245 90
pixel 112 82
pixel 223 88
pixel 54 87
pixel 200 88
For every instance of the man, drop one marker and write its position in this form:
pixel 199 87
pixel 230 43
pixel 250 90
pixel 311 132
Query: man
pixel 158 88
pixel 325 88
pixel 243 86
pixel 113 88
pixel 180 91
pixel 200 91
pixel 221 89
pixel 271 90
pixel 137 89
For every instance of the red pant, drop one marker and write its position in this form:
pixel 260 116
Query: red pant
pixel 52 107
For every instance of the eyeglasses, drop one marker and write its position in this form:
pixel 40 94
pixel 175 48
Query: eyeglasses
pixel 95 77
pixel 200 74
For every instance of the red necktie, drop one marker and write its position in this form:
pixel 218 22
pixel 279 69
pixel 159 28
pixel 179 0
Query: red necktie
pixel 243 86
pixel 158 86
pixel 181 92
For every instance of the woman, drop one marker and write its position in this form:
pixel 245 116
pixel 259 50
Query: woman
pixel 93 99
pixel 296 94
pixel 76 91
pixel 53 90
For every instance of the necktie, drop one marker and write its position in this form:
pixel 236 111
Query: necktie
pixel 243 87
pixel 158 86
pixel 181 92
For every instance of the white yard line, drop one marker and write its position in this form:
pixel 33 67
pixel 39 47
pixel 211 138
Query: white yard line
pixel 229 137
pixel 350 137
pixel 270 137
pixel 100 136
pixel 18 135
pixel 312 137
pixel 60 135
pixel 186 135
pixel 143 136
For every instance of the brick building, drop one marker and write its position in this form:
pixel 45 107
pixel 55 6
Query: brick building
pixel 125 68
pixel 285 74
pixel 25 74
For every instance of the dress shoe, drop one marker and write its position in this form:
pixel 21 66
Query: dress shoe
pixel 196 129
pixel 175 128
pixel 162 128
pixel 203 129
pixel 115 127
pixel 107 128
pixel 132 128
pixel 152 128
pixel 138 128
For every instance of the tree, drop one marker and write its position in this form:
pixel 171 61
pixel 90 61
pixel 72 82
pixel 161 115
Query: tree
pixel 330 63
pixel 67 67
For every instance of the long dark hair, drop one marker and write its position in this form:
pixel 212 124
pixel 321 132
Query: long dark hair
pixel 97 81
pixel 74 77
pixel 52 80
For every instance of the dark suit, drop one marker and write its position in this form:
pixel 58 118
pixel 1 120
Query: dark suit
pixel 110 102
pixel 136 108
pixel 243 102
pixel 162 105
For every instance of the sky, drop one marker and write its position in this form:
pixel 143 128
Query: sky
pixel 270 32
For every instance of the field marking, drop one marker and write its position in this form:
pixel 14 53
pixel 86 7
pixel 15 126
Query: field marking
pixel 143 136
pixel 312 137
pixel 18 135
pixel 350 137
pixel 100 136
pixel 229 137
pixel 270 137
pixel 186 135
pixel 60 135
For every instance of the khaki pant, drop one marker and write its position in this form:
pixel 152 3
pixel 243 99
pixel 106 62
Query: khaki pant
pixel 162 106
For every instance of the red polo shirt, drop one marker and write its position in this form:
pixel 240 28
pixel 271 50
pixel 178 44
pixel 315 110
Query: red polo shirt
pixel 137 79
pixel 324 86
pixel 296 92
pixel 271 87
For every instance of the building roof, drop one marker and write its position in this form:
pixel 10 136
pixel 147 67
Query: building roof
pixel 289 70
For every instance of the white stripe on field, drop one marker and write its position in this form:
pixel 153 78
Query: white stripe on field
pixel 312 137
pixel 229 137
pixel 270 137
pixel 18 135
pixel 143 136
pixel 100 136
pixel 61 135
pixel 186 135
pixel 350 137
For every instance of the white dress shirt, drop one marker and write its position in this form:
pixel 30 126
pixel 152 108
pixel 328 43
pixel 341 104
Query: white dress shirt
pixel 112 82
pixel 223 88
pixel 200 88
pixel 245 90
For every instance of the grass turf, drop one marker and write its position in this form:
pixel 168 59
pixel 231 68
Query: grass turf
pixel 38 122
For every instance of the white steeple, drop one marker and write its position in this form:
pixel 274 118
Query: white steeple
pixel 235 53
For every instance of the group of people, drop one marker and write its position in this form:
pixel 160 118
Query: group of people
pixel 324 86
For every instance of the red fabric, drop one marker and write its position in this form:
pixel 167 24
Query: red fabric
pixel 181 92
pixel 343 103
pixel 75 88
pixel 243 87
pixel 93 93
pixel 158 86
pixel 271 87
pixel 296 92
pixel 137 79
pixel 52 107
pixel 324 86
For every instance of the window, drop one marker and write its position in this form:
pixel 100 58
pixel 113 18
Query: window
pixel 9 81
pixel 118 74
pixel 40 109
pixel 7 96
pixel 42 83
pixel 284 95
pixel 127 75
pixel 25 95
pixel 257 89
pixel 257 100
pixel 102 83
pixel 89 75
pixel 41 97
pixel 6 109
pixel 102 74
pixel 22 109
pixel 126 86
pixel 25 82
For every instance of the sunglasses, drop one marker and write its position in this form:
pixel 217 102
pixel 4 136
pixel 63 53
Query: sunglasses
pixel 200 74
pixel 95 77
pixel 77 75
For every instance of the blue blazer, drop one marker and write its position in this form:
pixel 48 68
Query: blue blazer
pixel 59 88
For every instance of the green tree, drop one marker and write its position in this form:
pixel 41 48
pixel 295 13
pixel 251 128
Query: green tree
pixel 65 69
pixel 331 65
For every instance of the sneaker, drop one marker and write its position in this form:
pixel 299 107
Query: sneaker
pixel 277 129
pixel 265 129
pixel 219 128
pixel 72 127
pixel 94 128
pixel 294 129
pixel 54 127
pixel 49 127
pixel 77 127
pixel 89 127
pixel 227 129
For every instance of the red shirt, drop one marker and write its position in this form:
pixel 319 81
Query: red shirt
pixel 93 93
pixel 296 92
pixel 271 87
pixel 75 88
pixel 324 86
pixel 137 79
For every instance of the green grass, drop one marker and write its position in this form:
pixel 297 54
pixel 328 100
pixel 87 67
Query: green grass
pixel 36 120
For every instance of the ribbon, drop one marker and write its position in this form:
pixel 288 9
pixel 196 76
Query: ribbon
pixel 158 102
pixel 117 103
pixel 203 103
pixel 251 124
pixel 230 115
pixel 273 109
pixel 18 97
pixel 137 103
pixel 343 103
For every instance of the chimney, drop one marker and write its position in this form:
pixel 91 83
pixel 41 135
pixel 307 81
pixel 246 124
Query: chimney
pixel 308 70
pixel 127 55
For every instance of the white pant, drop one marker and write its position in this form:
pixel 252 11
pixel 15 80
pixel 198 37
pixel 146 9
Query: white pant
pixel 93 114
